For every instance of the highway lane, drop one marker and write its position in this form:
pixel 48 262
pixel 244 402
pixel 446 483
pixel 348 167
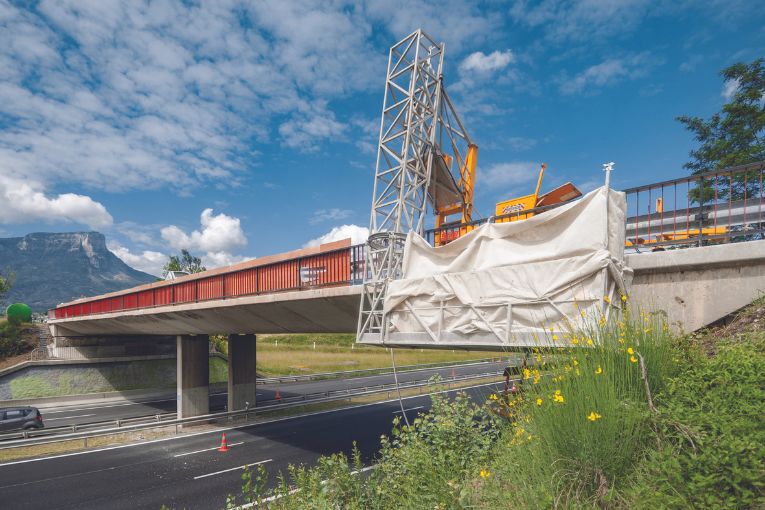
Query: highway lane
pixel 188 471
pixel 121 410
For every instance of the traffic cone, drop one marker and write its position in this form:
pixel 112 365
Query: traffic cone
pixel 223 444
pixel 278 395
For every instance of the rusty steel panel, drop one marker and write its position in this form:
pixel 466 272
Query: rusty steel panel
pixel 163 295
pixel 280 276
pixel 185 292
pixel 211 288
pixel 241 283
pixel 146 298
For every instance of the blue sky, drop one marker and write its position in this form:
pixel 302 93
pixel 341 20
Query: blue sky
pixel 241 129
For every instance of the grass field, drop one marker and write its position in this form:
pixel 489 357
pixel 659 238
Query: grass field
pixel 296 354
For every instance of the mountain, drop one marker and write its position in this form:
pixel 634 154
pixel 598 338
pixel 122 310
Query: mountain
pixel 54 268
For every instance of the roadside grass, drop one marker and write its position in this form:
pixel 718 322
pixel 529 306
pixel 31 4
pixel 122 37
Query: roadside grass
pixel 640 419
pixel 301 358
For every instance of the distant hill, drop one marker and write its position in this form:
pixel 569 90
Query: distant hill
pixel 54 268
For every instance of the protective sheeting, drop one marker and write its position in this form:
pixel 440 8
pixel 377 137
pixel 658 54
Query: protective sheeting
pixel 511 284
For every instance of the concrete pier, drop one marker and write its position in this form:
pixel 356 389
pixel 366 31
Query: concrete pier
pixel 241 371
pixel 193 375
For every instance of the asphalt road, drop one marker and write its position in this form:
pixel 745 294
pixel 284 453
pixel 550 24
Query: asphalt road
pixel 188 471
pixel 97 412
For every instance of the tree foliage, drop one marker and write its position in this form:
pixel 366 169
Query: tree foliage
pixel 735 135
pixel 6 282
pixel 184 262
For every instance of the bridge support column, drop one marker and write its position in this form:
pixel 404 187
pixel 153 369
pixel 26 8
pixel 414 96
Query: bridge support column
pixel 193 375
pixel 241 371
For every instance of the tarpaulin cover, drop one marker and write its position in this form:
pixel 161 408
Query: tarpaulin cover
pixel 511 284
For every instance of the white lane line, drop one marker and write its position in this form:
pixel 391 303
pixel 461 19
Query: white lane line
pixel 69 417
pixel 232 469
pixel 496 384
pixel 207 449
pixel 412 409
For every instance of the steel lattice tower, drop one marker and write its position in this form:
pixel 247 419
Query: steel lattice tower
pixel 408 130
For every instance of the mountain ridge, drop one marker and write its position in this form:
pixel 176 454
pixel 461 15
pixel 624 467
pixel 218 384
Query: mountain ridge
pixel 52 268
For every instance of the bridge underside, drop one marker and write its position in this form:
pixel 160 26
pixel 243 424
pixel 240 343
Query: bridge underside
pixel 326 310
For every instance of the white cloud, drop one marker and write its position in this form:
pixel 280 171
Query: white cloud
pixel 508 174
pixel 219 233
pixel 219 259
pixel 356 233
pixel 329 215
pixel 730 88
pixel 608 72
pixel 483 63
pixel 25 202
pixel 147 261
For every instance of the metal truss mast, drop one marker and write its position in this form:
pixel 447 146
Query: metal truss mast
pixel 412 168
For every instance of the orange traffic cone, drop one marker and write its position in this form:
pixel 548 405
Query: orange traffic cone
pixel 278 395
pixel 223 444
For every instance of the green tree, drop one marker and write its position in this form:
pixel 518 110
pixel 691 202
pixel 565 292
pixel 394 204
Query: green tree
pixel 6 282
pixel 734 136
pixel 184 262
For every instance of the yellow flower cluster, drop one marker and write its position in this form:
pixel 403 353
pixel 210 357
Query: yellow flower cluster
pixel 558 397
pixel 598 370
pixel 593 416
pixel 485 473
pixel 539 402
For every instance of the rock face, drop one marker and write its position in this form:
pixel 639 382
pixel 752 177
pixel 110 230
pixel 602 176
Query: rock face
pixel 54 268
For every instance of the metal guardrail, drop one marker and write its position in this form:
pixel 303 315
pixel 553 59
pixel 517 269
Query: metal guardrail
pixel 74 432
pixel 376 371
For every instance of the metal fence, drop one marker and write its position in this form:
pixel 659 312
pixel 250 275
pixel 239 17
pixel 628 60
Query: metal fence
pixel 715 207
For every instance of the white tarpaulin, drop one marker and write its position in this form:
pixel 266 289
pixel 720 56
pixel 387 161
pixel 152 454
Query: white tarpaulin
pixel 509 284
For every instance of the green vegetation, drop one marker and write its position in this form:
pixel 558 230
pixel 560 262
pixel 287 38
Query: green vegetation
pixel 6 282
pixel 734 135
pixel 295 354
pixel 12 341
pixel 184 262
pixel 18 313
pixel 639 420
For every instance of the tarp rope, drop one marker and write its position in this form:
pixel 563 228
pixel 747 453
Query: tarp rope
pixel 398 389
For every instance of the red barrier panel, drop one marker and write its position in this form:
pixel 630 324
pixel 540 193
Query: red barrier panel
pixel 332 268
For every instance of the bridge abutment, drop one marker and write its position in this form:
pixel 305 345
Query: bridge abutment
pixel 241 371
pixel 193 375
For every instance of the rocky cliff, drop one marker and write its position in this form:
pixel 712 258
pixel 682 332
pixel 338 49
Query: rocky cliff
pixel 54 268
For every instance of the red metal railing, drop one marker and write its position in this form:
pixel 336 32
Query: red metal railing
pixel 344 266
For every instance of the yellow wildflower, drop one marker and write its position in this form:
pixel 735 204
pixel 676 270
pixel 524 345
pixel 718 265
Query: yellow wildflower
pixel 593 416
pixel 589 341
pixel 574 341
pixel 602 321
pixel 633 359
pixel 577 371
pixel 526 373
pixel 555 338
pixel 607 299
pixel 575 362
pixel 539 402
pixel 485 473
pixel 583 314
pixel 624 298
pixel 558 397
pixel 621 340
pixel 630 351
pixel 598 370
pixel 493 396
pixel 647 330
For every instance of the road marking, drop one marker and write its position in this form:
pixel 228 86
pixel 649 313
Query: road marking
pixel 496 384
pixel 206 449
pixel 69 417
pixel 412 409
pixel 232 469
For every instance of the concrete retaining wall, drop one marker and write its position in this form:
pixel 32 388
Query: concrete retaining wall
pixel 695 287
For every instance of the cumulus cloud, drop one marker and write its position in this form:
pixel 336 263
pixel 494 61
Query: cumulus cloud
pixel 25 202
pixel 609 72
pixel 219 233
pixel 508 174
pixel 483 63
pixel 356 233
pixel 147 261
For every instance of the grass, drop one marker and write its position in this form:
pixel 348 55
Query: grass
pixel 638 420
pixel 295 354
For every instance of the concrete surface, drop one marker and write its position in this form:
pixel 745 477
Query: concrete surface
pixel 697 286
pixel 193 379
pixel 241 371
